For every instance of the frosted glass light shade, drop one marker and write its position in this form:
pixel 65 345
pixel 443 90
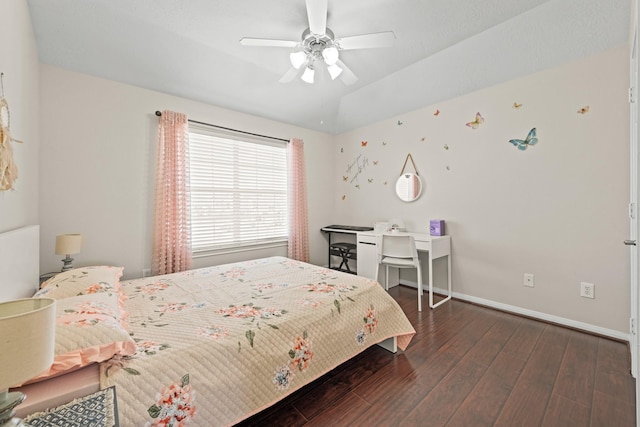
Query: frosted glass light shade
pixel 68 244
pixel 297 59
pixel 27 339
pixel 308 74
pixel 330 55
pixel 334 71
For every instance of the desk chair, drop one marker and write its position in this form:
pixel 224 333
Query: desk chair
pixel 400 252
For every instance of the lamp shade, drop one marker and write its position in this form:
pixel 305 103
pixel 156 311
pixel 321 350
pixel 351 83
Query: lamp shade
pixel 308 74
pixel 68 244
pixel 297 59
pixel 27 339
pixel 330 55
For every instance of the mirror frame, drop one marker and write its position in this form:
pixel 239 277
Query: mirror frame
pixel 409 187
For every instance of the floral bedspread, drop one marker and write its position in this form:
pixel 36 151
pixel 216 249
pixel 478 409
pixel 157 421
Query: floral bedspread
pixel 219 344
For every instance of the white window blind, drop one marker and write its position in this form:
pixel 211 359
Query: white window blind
pixel 238 190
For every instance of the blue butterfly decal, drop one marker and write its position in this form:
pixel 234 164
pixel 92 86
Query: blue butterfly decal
pixel 522 144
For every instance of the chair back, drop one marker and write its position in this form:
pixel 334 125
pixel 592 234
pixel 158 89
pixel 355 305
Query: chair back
pixel 395 246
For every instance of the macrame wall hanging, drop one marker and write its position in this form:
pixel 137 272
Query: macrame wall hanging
pixel 8 167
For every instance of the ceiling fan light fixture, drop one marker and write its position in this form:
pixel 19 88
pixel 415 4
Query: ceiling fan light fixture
pixel 330 55
pixel 297 58
pixel 308 74
pixel 319 43
pixel 334 71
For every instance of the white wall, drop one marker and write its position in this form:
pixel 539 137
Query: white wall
pixel 19 63
pixel 557 210
pixel 98 166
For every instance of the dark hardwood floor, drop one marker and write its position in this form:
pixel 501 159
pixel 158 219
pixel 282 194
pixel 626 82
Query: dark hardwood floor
pixel 471 366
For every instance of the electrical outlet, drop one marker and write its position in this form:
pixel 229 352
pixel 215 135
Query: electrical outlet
pixel 529 280
pixel 587 290
pixel 146 272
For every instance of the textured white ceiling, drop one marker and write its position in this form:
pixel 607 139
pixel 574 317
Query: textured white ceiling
pixel 444 48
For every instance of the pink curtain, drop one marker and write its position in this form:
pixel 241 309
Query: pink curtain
pixel 298 223
pixel 172 222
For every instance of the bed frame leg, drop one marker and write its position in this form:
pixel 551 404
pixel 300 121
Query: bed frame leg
pixel 390 344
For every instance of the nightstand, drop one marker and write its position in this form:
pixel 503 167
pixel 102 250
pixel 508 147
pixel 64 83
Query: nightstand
pixel 46 276
pixel 97 409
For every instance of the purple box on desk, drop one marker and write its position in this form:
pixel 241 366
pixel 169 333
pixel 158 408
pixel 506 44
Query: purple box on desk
pixel 436 227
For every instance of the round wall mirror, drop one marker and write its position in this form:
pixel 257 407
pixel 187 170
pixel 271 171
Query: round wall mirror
pixel 409 187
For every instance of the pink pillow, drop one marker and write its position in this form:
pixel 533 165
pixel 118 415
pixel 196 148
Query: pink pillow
pixel 88 330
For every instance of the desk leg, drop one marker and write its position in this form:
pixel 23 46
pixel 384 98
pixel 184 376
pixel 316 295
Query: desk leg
pixel 449 273
pixel 430 281
pixel 329 251
pixel 431 304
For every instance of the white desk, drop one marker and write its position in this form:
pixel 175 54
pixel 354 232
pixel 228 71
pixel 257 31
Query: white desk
pixel 343 229
pixel 367 263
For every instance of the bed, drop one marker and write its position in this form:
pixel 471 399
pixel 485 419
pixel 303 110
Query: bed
pixel 216 345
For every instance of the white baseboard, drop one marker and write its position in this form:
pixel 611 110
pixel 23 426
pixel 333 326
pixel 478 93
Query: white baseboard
pixel 531 313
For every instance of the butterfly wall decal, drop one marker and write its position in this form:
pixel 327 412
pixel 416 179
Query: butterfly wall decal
pixel 342 150
pixel 423 139
pixel 400 123
pixel 384 143
pixel 446 147
pixel 584 110
pixel 364 143
pixel 523 144
pixel 477 122
pixel 437 113
pixel 344 196
pixel 517 106
pixel 375 163
pixel 344 178
pixel 370 180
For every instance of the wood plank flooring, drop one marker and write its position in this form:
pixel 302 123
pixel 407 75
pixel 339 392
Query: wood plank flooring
pixel 471 366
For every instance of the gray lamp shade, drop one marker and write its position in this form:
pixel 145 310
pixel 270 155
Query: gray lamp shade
pixel 27 339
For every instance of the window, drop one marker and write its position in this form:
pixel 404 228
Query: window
pixel 238 190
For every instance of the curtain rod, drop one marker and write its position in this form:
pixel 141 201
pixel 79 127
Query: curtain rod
pixel 159 113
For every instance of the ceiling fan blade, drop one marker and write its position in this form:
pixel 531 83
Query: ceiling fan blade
pixel 347 75
pixel 317 13
pixel 367 41
pixel 293 72
pixel 247 41
pixel 290 75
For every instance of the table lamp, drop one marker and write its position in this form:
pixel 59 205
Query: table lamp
pixel 27 339
pixel 68 244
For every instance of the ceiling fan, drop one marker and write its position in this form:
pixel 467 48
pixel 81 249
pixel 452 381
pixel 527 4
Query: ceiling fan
pixel 319 45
